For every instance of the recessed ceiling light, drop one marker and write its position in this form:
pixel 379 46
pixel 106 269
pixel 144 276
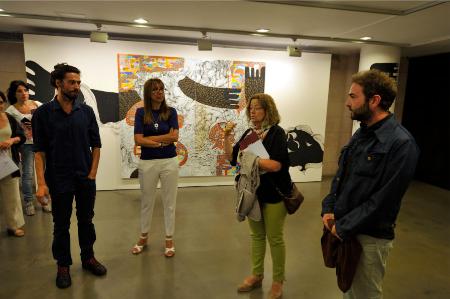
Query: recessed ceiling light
pixel 141 26
pixel 141 21
pixel 262 30
pixel 2 9
pixel 366 38
pixel 4 15
pixel 257 34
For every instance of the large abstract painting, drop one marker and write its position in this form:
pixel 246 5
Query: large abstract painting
pixel 206 95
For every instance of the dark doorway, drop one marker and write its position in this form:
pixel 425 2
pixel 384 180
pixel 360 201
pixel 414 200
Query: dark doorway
pixel 427 116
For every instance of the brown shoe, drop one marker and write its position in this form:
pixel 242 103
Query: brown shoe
pixel 19 232
pixel 276 292
pixel 250 283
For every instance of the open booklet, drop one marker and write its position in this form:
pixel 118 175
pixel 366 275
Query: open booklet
pixel 253 144
pixel 7 165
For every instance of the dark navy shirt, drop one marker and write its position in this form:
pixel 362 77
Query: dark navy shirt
pixel 67 141
pixel 375 169
pixel 156 128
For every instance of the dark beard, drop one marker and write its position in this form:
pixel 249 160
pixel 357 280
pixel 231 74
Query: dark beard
pixel 363 113
pixel 70 97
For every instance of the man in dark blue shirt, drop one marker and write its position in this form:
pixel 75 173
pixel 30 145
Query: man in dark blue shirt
pixel 67 146
pixel 375 168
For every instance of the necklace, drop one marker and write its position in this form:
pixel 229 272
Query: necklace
pixel 261 132
pixel 156 120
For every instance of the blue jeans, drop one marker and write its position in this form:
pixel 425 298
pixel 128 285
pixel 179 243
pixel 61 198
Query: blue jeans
pixel 27 172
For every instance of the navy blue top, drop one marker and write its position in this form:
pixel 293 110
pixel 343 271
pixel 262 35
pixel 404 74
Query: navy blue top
pixel 67 141
pixel 375 169
pixel 156 128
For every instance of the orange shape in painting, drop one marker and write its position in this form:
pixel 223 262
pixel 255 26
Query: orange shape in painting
pixel 180 121
pixel 216 135
pixel 132 112
pixel 182 153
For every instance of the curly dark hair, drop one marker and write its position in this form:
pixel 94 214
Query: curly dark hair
pixel 375 82
pixel 13 86
pixel 60 71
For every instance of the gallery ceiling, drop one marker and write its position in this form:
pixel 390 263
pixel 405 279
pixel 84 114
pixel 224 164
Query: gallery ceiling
pixel 328 26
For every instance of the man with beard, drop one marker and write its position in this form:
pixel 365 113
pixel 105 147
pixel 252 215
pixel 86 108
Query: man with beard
pixel 375 169
pixel 67 146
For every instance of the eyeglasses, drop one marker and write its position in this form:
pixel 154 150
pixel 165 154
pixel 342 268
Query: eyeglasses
pixel 255 108
pixel 158 89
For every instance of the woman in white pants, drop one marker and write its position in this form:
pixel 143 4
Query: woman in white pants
pixel 11 138
pixel 156 130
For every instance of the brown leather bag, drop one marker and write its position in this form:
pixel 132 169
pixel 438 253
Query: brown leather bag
pixel 293 200
pixel 342 255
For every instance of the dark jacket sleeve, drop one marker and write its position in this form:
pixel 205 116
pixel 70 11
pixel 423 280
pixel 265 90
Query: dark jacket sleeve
pixel 329 200
pixel 16 131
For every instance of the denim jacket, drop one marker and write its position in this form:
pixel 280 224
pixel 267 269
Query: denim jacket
pixel 375 169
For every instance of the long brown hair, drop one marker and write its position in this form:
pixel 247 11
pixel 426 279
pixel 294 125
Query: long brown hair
pixel 268 104
pixel 164 114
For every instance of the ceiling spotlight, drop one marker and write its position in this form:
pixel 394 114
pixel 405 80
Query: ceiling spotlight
pixel 366 38
pixel 262 30
pixel 141 21
pixel 99 36
pixel 2 9
pixel 257 34
pixel 204 44
pixel 4 15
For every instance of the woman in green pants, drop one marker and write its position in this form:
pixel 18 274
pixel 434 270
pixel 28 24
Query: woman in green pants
pixel 264 118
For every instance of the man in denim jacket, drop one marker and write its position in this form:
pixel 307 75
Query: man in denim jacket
pixel 375 168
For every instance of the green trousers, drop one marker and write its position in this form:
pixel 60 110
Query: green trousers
pixel 270 227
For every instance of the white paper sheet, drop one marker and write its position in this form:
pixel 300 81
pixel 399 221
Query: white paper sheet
pixel 258 149
pixel 7 165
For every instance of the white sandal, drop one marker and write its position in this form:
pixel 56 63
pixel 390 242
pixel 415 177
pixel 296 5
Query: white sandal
pixel 169 252
pixel 137 249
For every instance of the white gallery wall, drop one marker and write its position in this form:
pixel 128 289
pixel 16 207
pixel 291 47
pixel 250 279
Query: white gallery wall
pixel 298 85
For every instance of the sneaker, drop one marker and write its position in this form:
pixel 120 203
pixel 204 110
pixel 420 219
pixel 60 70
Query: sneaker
pixel 47 208
pixel 63 279
pixel 29 208
pixel 93 266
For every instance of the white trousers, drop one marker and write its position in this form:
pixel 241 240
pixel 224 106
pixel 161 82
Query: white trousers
pixel 10 199
pixel 150 172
